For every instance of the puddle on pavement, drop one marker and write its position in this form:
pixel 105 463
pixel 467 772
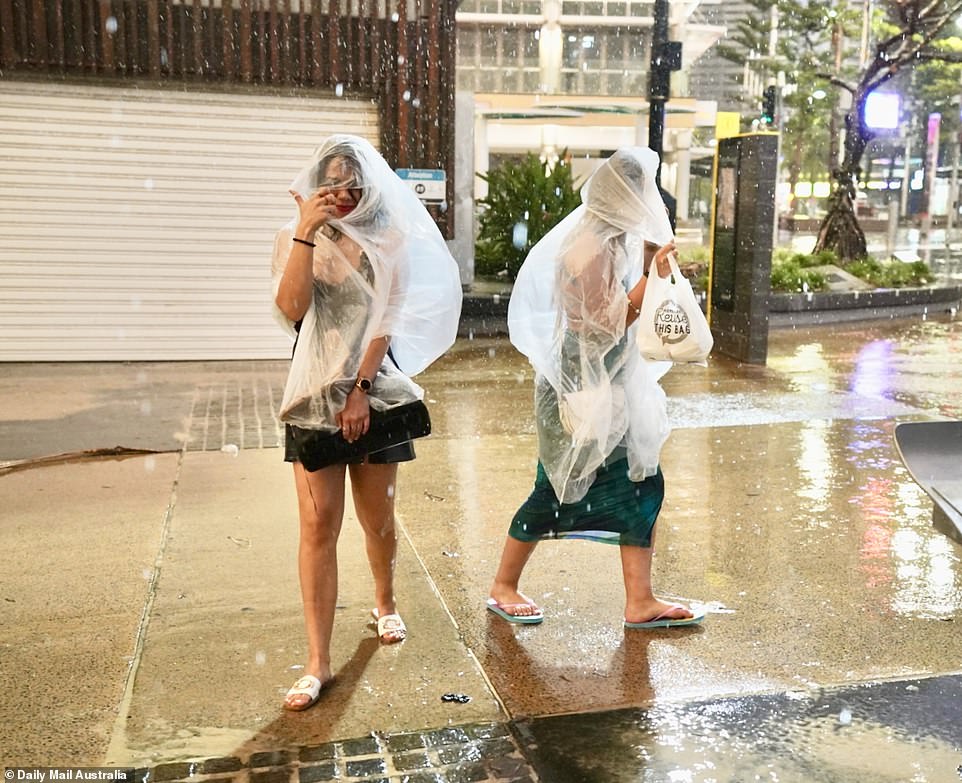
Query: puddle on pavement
pixel 892 732
pixel 169 743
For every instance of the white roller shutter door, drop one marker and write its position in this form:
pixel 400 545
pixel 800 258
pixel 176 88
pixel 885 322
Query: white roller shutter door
pixel 137 224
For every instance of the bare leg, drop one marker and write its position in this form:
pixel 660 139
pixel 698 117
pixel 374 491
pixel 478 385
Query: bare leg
pixel 504 590
pixel 373 489
pixel 320 498
pixel 641 604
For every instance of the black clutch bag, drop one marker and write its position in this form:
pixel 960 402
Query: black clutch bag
pixel 317 449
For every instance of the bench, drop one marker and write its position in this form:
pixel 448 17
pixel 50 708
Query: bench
pixel 932 453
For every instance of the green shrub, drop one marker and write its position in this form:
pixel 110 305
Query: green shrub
pixel 792 271
pixel 694 254
pixel 822 258
pixel 893 274
pixel 525 200
pixel 693 261
pixel 782 254
pixel 789 276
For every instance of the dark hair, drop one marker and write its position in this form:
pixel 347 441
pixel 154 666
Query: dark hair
pixel 344 154
pixel 630 169
pixel 370 210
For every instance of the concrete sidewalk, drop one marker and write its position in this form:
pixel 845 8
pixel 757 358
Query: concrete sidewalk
pixel 151 615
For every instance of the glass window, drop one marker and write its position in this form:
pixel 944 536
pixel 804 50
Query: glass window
pixel 466 41
pixel 616 9
pixel 488 81
pixel 466 79
pixel 529 46
pixel 579 47
pixel 532 81
pixel 490 38
pixel 508 46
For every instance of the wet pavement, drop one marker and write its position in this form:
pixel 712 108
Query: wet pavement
pixel 151 618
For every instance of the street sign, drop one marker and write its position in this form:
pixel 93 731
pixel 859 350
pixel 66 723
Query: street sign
pixel 429 185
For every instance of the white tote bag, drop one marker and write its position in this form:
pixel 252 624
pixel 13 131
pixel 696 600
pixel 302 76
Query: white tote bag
pixel 671 326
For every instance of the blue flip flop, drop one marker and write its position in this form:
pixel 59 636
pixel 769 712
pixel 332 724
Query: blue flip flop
pixel 522 619
pixel 668 622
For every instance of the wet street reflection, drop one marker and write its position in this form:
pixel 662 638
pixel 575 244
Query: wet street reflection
pixel 788 516
pixel 830 651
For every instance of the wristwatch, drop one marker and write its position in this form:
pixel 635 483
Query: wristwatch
pixel 364 384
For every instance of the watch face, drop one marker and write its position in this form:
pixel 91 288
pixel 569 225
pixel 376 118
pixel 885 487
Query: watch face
pixel 364 384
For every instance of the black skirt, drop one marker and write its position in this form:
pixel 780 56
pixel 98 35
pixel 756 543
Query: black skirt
pixel 403 452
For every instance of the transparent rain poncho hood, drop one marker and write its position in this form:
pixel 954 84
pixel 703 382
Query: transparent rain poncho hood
pixel 399 280
pixel 593 392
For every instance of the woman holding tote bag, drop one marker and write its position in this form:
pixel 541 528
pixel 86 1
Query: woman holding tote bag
pixel 601 415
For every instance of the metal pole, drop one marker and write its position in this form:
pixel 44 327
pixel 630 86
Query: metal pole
pixel 658 80
pixel 906 175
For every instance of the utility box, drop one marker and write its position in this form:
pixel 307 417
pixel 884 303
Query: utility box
pixel 743 235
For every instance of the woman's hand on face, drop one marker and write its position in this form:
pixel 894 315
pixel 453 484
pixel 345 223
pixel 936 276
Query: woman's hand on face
pixel 355 419
pixel 316 210
pixel 660 259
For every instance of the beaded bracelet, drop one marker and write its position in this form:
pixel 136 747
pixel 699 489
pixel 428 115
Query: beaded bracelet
pixel 632 306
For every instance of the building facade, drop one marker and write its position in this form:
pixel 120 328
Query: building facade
pixel 572 75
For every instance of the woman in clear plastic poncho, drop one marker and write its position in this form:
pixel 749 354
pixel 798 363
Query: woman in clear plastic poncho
pixel 364 282
pixel 601 416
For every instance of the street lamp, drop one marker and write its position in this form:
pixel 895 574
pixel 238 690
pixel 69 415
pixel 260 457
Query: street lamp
pixel 883 113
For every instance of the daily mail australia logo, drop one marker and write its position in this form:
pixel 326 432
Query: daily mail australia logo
pixel 671 323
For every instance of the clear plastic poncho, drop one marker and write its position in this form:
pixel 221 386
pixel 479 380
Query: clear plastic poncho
pixel 395 277
pixel 594 392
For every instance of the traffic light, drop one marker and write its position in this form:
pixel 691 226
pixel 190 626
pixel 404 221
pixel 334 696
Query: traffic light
pixel 768 105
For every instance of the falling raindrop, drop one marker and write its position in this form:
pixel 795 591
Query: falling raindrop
pixel 416 103
pixel 519 236
pixel 339 89
pixel 845 716
pixel 395 17
pixel 110 25
pixel 148 184
pixel 164 57
pixel 390 491
pixel 149 465
pixel 406 95
pixel 400 59
pixel 260 658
